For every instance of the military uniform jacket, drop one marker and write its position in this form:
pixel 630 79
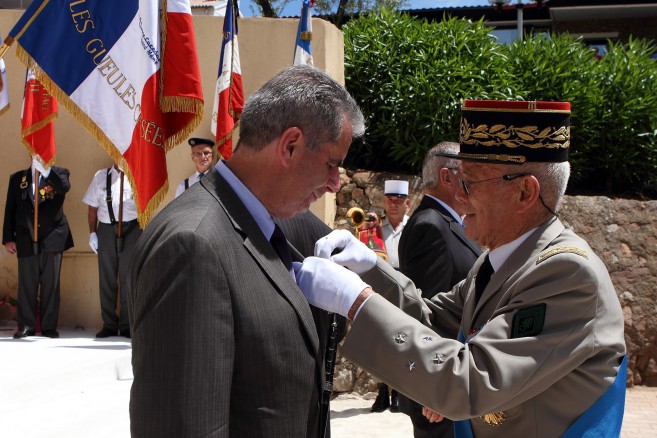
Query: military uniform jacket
pixel 224 342
pixel 54 233
pixel 539 377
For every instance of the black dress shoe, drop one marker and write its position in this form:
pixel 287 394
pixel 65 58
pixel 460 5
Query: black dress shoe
pixel 106 333
pixel 125 333
pixel 50 334
pixel 23 333
pixel 382 401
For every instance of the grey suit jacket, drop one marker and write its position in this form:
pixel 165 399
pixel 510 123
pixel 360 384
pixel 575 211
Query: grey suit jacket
pixel 542 381
pixel 224 342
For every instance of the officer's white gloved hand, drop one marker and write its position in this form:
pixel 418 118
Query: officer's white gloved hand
pixel 327 285
pixel 38 165
pixel 93 242
pixel 353 254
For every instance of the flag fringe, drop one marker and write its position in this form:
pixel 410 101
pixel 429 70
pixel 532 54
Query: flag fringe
pixel 33 152
pixel 37 126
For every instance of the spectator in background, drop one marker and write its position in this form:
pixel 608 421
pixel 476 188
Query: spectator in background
pixel 40 262
pixel 113 232
pixel 203 156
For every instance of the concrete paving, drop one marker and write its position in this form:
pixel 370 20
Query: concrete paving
pixel 79 387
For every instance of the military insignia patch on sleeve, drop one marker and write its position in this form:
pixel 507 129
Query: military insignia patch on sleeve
pixel 528 321
pixel 560 250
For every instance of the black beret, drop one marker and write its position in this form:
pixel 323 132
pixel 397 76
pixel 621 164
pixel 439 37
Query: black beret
pixel 200 141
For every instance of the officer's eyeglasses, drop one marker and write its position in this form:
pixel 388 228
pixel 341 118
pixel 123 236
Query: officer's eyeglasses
pixel 466 184
pixel 201 154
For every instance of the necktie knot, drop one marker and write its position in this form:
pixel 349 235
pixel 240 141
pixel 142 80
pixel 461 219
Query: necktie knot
pixel 200 176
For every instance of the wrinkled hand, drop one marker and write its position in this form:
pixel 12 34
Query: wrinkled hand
pixel 327 285
pixel 353 254
pixel 38 165
pixel 93 242
pixel 10 247
pixel 432 416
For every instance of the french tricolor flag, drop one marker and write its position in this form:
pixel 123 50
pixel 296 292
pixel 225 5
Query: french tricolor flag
pixel 129 74
pixel 228 94
pixel 38 114
pixel 302 53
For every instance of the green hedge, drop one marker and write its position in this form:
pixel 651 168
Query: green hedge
pixel 410 77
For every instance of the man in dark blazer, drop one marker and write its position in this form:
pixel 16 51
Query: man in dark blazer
pixel 224 342
pixel 39 263
pixel 435 253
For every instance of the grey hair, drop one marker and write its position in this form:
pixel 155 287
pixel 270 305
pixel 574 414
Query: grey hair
pixel 553 178
pixel 434 162
pixel 304 97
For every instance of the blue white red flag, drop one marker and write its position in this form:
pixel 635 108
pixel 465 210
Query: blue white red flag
pixel 228 94
pixel 129 74
pixel 4 89
pixel 38 114
pixel 302 53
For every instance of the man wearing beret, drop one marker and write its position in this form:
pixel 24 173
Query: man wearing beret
pixel 203 158
pixel 113 232
pixel 540 350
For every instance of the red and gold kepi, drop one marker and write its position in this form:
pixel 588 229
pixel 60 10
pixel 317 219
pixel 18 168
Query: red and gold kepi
pixel 514 132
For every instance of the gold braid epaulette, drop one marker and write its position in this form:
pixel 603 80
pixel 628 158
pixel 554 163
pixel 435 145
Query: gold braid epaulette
pixel 560 250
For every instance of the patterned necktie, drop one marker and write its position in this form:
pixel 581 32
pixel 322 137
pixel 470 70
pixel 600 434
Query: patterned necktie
pixel 483 277
pixel 279 243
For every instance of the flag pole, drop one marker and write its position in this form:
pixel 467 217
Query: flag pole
pixel 5 46
pixel 35 234
pixel 119 237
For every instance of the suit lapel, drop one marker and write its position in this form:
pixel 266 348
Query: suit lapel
pixel 262 251
pixel 454 226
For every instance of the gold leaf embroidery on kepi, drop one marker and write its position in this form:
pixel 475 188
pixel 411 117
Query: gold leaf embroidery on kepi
pixel 515 136
pixel 495 419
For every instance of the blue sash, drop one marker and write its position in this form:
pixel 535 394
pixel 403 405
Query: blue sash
pixel 603 419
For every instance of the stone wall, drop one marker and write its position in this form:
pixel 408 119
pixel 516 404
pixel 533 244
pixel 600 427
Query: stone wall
pixel 622 232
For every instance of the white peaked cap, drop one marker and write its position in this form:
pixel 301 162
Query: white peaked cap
pixel 396 187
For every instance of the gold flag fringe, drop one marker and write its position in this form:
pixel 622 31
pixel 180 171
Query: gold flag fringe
pixel 37 126
pixel 33 152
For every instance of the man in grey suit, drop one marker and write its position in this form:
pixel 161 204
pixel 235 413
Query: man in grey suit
pixel 435 253
pixel 540 349
pixel 224 343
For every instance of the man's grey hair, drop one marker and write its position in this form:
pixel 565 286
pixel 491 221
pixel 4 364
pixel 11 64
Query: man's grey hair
pixel 553 179
pixel 304 97
pixel 433 162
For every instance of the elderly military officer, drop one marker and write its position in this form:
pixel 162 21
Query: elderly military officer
pixel 113 232
pixel 203 157
pixel 541 351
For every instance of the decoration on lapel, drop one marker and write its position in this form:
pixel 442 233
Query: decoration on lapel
pixel 411 365
pixel 427 338
pixel 400 338
pixel 23 182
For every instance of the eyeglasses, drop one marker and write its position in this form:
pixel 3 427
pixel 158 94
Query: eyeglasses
pixel 201 154
pixel 465 184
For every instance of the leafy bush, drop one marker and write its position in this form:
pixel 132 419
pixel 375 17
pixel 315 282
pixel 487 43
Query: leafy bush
pixel 410 77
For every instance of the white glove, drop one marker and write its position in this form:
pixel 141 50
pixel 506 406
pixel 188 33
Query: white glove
pixel 354 254
pixel 93 242
pixel 38 165
pixel 327 285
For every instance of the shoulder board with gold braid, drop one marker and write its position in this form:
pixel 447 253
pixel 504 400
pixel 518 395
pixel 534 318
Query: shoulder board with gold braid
pixel 560 250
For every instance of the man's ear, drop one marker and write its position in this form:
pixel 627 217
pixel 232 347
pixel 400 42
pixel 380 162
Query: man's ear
pixel 446 176
pixel 530 189
pixel 288 145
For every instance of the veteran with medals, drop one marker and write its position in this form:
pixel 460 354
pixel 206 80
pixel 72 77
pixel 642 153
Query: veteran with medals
pixel 541 350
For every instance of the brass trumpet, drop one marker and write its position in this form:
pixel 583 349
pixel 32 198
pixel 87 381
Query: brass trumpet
pixel 355 216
